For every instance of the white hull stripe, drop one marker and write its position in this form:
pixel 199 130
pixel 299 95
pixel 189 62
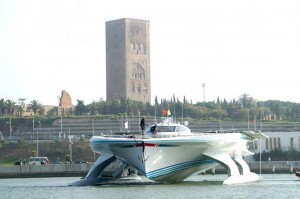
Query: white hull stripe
pixel 177 167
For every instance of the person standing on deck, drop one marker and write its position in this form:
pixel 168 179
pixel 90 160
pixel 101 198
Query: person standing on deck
pixel 142 124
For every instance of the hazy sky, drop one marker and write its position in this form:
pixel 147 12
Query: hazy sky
pixel 234 47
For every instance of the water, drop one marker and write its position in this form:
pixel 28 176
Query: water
pixel 201 186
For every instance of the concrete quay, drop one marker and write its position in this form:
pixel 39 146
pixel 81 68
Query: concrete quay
pixel 51 170
pixel 80 170
pixel 265 167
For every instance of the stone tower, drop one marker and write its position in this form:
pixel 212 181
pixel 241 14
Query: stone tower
pixel 128 60
pixel 65 104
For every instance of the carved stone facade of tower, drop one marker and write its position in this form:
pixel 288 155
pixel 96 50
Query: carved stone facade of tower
pixel 128 60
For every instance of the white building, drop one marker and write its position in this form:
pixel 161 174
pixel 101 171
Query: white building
pixel 280 140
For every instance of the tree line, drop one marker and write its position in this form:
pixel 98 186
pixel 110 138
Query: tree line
pixel 9 107
pixel 242 109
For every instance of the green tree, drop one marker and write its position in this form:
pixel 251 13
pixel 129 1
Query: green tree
pixel 2 106
pixel 10 105
pixel 67 158
pixel 19 109
pixel 81 108
pixel 155 101
pixel 246 100
pixel 241 115
pixel 34 106
pixel 218 113
pixel 41 111
pixel 93 108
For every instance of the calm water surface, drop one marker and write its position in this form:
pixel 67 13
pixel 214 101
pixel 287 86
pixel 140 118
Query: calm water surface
pixel 201 186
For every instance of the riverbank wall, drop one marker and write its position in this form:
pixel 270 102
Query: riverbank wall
pixel 51 170
pixel 80 170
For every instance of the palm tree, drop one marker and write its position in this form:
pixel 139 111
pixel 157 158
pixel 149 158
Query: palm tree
pixel 19 110
pixel 34 106
pixel 2 106
pixel 11 105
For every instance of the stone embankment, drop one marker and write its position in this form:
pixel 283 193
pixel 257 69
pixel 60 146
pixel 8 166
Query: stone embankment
pixel 80 170
pixel 86 127
pixel 51 170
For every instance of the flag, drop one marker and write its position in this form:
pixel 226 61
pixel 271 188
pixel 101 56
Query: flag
pixel 169 112
pixel 164 112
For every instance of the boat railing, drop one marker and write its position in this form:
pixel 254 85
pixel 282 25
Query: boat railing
pixel 127 135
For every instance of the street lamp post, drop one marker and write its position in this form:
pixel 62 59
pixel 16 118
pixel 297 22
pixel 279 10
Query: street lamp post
pixel 93 126
pixel 33 122
pixel 248 119
pixel 37 140
pixel 9 128
pixel 37 144
pixel 70 147
pixel 61 134
pixel 203 86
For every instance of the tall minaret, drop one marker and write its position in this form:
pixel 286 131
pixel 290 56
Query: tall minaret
pixel 128 60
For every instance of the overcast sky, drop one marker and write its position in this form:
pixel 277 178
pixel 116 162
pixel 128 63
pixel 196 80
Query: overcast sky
pixel 234 47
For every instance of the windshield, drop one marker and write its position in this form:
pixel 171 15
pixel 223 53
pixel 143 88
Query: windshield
pixel 165 129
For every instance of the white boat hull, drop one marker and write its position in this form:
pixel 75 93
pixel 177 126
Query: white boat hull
pixel 172 159
pixel 169 153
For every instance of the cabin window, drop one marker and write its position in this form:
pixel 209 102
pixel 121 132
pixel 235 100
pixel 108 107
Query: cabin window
pixel 180 128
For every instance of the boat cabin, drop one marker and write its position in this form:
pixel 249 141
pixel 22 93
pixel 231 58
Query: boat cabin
pixel 166 129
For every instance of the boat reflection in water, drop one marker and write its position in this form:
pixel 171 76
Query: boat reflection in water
pixel 168 152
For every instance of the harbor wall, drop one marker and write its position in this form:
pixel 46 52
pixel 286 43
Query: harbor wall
pixel 60 170
pixel 54 170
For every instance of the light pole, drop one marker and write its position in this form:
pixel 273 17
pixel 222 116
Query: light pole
pixel 93 134
pixel 37 144
pixel 93 126
pixel 203 86
pixel 9 127
pixel 248 119
pixel 182 111
pixel 37 140
pixel 33 122
pixel 61 125
pixel 70 147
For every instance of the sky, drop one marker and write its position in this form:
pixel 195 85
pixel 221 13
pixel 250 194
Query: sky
pixel 233 46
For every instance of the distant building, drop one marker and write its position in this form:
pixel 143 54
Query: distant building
pixel 281 140
pixel 128 60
